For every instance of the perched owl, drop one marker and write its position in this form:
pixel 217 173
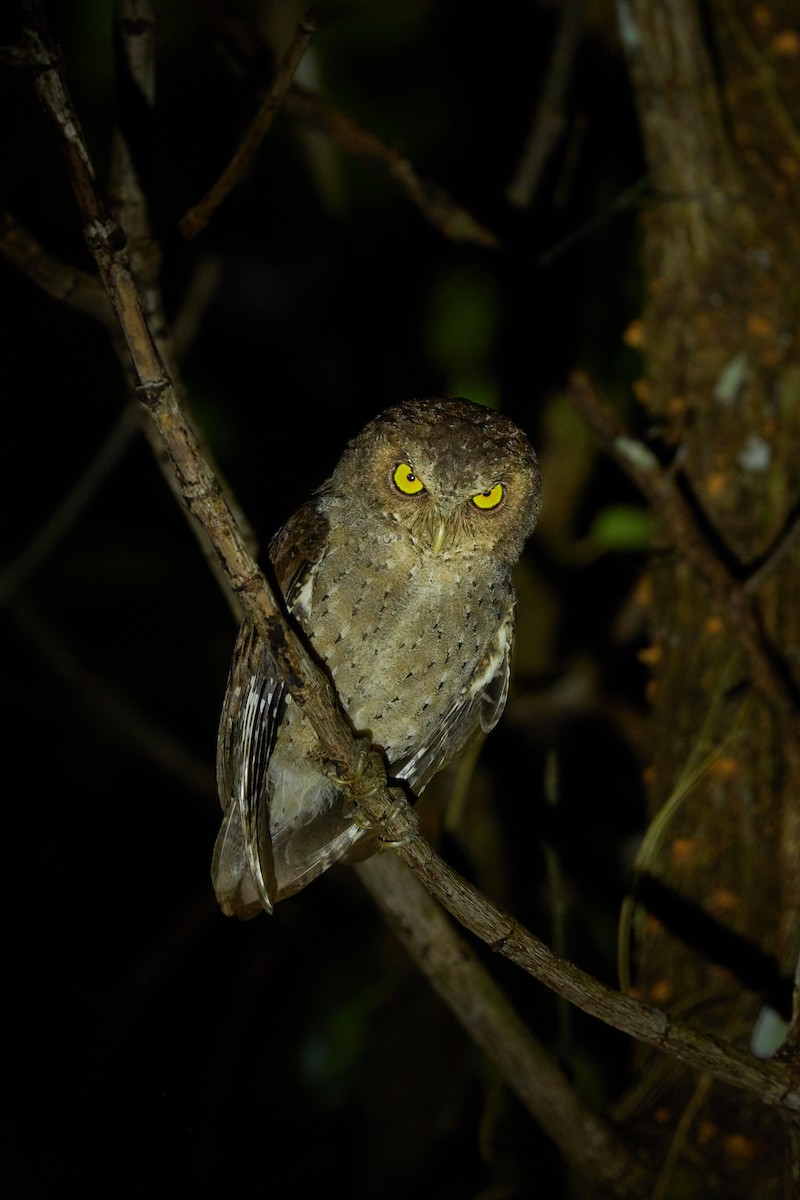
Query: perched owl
pixel 399 571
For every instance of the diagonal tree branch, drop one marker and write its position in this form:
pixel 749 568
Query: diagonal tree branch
pixel 457 975
pixel 200 214
pixel 112 707
pixel 60 280
pixel 68 511
pixel 549 120
pixel 308 109
pixel 205 502
pixel 451 219
pixel 657 485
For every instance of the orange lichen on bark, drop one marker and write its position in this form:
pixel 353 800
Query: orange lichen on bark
pixel 723 901
pixel 651 655
pixel 634 334
pixel 661 992
pixel 643 594
pixel 683 851
pixel 651 926
pixel 716 483
pixel 760 326
pixel 706 1131
pixel 724 768
pixel 786 44
pixel 741 1149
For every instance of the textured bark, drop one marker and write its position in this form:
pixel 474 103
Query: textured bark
pixel 718 93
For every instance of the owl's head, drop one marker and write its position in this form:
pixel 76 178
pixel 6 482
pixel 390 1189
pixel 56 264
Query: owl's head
pixel 451 476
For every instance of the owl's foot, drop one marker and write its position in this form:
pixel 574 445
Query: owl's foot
pixel 369 778
pixel 368 775
pixel 400 808
pixel 361 819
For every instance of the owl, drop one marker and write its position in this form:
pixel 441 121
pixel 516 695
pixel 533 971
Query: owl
pixel 398 569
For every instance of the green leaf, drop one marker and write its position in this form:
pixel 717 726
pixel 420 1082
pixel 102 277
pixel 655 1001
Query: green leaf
pixel 621 527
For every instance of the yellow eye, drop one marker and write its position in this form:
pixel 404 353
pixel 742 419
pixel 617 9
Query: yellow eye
pixel 490 498
pixel 406 481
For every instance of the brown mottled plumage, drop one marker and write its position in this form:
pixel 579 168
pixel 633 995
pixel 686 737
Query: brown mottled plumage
pixel 399 571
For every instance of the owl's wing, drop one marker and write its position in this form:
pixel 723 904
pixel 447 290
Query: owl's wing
pixel 296 550
pixel 243 867
pixel 303 851
pixel 478 707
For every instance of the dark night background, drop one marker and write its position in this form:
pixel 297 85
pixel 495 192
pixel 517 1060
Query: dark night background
pixel 155 1044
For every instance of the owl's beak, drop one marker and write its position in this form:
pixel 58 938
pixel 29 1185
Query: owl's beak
pixel 439 535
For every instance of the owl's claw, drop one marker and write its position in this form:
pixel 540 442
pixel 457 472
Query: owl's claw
pixel 385 843
pixel 398 808
pixel 364 759
pixel 361 819
pixel 367 779
pixel 368 759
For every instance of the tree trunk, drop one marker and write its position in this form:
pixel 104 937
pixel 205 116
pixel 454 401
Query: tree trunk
pixel 717 89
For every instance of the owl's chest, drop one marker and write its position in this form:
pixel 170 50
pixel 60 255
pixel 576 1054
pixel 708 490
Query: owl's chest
pixel 401 637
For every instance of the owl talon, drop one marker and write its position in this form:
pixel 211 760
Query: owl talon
pixel 397 843
pixel 363 757
pixel 384 843
pixel 360 818
pixel 368 766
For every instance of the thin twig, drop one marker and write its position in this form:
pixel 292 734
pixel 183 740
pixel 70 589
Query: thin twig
pixel 772 561
pixel 781 115
pixel 307 108
pixel 308 684
pixel 196 219
pixel 771 1081
pixel 466 987
pixel 657 485
pixel 113 707
pixel 199 293
pixel 135 45
pixel 549 121
pixel 629 198
pixel 448 216
pixel 677 1142
pixel 557 902
pixel 70 508
pixel 60 280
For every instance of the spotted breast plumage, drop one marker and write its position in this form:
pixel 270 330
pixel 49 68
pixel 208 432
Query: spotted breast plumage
pixel 398 569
